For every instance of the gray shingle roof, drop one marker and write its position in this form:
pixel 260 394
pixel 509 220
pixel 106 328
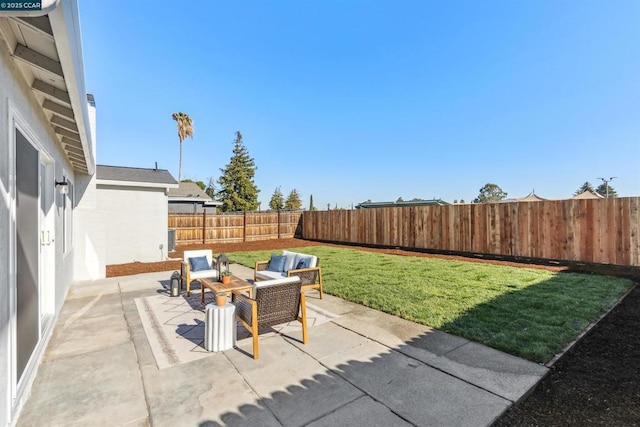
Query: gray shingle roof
pixel 121 173
pixel 188 190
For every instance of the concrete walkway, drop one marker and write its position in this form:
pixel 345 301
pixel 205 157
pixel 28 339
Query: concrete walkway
pixel 363 368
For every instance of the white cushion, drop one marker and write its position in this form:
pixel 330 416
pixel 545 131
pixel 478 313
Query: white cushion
pixel 265 283
pixel 291 258
pixel 203 274
pixel 269 275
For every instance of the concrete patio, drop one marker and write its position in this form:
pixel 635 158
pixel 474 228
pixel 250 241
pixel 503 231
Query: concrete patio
pixel 361 368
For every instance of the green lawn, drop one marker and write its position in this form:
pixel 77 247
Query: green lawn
pixel 526 312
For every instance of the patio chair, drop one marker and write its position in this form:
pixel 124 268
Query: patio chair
pixel 198 264
pixel 273 304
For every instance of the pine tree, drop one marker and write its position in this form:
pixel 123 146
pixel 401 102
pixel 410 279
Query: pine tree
pixel 293 200
pixel 238 191
pixel 277 200
pixel 311 207
pixel 606 192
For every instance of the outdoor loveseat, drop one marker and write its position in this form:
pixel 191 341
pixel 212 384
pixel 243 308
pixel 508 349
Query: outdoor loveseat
pixel 289 264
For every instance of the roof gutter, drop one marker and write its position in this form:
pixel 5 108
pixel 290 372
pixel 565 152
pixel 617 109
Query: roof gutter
pixel 31 8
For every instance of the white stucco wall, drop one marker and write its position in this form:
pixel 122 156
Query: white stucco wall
pixel 135 221
pixel 16 99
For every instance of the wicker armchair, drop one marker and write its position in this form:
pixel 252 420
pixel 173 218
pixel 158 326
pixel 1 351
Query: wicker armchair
pixel 311 277
pixel 272 305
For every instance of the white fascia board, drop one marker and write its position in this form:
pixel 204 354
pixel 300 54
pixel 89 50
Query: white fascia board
pixel 65 23
pixel 135 184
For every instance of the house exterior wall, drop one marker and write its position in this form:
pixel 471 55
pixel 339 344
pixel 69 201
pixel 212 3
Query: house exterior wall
pixel 17 104
pixel 135 221
pixel 89 239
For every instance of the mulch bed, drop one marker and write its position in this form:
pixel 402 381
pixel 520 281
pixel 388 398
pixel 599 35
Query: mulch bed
pixel 596 383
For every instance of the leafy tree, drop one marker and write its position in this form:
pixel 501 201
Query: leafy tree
pixel 490 193
pixel 399 200
pixel 461 200
pixel 584 187
pixel 277 200
pixel 211 189
pixel 602 190
pixel 185 129
pixel 455 201
pixel 293 200
pixel 238 191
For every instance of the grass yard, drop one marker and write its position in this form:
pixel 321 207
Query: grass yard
pixel 529 313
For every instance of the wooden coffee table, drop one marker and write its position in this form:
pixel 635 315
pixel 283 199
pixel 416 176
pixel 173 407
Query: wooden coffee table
pixel 236 284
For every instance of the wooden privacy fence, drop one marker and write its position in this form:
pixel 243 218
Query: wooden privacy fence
pixel 235 227
pixel 594 230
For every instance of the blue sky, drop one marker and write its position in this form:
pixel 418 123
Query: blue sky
pixel 355 100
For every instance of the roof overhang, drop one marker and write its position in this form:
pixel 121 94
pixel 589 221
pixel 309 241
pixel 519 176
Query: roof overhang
pixel 47 49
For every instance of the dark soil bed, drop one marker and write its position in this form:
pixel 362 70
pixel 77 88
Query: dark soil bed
pixel 596 383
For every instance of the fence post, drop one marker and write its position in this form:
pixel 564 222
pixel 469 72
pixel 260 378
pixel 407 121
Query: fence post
pixel 204 226
pixel 278 223
pixel 244 226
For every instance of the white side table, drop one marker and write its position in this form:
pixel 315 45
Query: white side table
pixel 220 327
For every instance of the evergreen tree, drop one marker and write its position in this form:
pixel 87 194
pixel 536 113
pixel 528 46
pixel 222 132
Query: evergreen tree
pixel 602 190
pixel 490 193
pixel 293 200
pixel 584 187
pixel 311 207
pixel 277 200
pixel 238 191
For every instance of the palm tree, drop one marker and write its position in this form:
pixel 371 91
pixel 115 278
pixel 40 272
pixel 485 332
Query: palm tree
pixel 185 129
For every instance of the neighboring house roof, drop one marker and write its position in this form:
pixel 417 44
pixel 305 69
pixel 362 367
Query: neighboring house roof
pixel 46 48
pixel 191 192
pixel 531 197
pixel 588 194
pixel 401 204
pixel 139 177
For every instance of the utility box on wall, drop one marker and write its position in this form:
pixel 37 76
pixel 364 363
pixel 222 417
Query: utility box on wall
pixel 171 241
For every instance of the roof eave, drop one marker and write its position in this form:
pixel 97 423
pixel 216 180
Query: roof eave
pixel 65 24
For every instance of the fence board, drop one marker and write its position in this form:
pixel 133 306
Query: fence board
pixel 593 230
pixel 236 227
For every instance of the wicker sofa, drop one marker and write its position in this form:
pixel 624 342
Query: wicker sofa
pixel 304 266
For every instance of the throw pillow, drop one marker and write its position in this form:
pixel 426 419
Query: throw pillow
pixel 303 263
pixel 199 263
pixel 276 263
